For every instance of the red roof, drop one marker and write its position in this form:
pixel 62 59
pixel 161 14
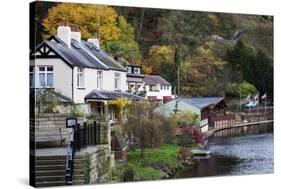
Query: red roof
pixel 155 79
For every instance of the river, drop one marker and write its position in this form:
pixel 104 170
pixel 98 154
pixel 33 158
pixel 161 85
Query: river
pixel 241 155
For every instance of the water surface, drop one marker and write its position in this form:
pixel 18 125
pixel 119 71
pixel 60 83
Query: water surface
pixel 242 155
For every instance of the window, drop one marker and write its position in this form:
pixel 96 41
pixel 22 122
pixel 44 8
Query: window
pixel 46 76
pixel 80 77
pixel 99 79
pixel 129 69
pixel 116 80
pixel 136 70
pixel 31 76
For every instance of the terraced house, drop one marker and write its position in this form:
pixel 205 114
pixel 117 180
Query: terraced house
pixel 152 87
pixel 80 71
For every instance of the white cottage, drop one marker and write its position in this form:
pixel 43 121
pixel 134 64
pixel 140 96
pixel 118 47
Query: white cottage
pixel 152 87
pixel 79 70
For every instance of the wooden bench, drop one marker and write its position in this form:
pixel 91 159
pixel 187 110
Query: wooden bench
pixel 48 135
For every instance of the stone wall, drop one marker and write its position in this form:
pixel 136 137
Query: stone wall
pixel 54 121
pixel 100 163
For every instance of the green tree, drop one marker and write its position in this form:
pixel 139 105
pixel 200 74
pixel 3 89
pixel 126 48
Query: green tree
pixel 245 88
pixel 251 65
pixel 125 46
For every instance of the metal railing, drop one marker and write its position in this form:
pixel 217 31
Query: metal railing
pixel 87 134
pixel 70 158
pixel 80 137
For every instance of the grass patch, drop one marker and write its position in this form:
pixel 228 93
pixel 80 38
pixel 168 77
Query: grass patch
pixel 154 162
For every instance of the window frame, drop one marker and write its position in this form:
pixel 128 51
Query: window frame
pixel 80 78
pixel 31 79
pixel 138 70
pixel 99 79
pixel 45 73
pixel 117 81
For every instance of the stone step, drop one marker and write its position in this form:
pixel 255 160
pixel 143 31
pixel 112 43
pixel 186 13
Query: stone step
pixel 50 167
pixel 49 178
pixel 77 171
pixel 50 173
pixel 51 162
pixel 78 177
pixel 78 182
pixel 38 158
pixel 50 183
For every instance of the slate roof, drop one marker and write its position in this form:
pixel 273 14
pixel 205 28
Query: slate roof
pixel 84 54
pixel 155 79
pixel 202 102
pixel 109 95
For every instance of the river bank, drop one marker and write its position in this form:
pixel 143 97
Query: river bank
pixel 237 155
pixel 158 163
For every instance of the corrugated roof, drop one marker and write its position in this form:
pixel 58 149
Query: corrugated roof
pixel 155 79
pixel 83 54
pixel 108 95
pixel 202 102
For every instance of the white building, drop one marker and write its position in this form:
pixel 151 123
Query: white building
pixel 152 87
pixel 78 70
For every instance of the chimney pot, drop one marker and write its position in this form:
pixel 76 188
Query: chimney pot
pixel 64 33
pixel 76 36
pixel 95 42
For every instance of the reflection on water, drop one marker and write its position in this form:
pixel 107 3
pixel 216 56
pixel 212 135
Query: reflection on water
pixel 252 154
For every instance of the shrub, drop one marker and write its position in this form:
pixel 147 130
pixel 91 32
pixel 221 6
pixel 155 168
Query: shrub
pixel 189 136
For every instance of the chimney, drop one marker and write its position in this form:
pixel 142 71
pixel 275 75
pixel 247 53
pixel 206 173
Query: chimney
pixel 95 42
pixel 64 33
pixel 76 36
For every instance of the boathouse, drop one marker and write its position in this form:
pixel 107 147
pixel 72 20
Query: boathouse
pixel 210 110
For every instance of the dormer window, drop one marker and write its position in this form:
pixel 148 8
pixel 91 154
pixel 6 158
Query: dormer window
pixel 46 76
pixel 137 70
pixel 129 69
pixel 80 78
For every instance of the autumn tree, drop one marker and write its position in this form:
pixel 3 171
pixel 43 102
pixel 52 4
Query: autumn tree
pixel 98 21
pixel 143 125
pixel 91 20
pixel 120 105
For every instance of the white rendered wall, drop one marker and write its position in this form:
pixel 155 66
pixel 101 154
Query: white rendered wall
pixel 62 75
pixel 90 82
pixel 62 79
pixel 159 94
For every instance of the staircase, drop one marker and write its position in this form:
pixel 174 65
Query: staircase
pixel 50 171
pixel 78 175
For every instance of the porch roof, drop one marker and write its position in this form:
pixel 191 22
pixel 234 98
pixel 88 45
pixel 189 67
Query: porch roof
pixel 51 97
pixel 110 95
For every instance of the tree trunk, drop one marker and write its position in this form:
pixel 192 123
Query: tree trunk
pixel 141 23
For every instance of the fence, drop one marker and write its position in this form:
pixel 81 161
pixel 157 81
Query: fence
pixel 90 134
